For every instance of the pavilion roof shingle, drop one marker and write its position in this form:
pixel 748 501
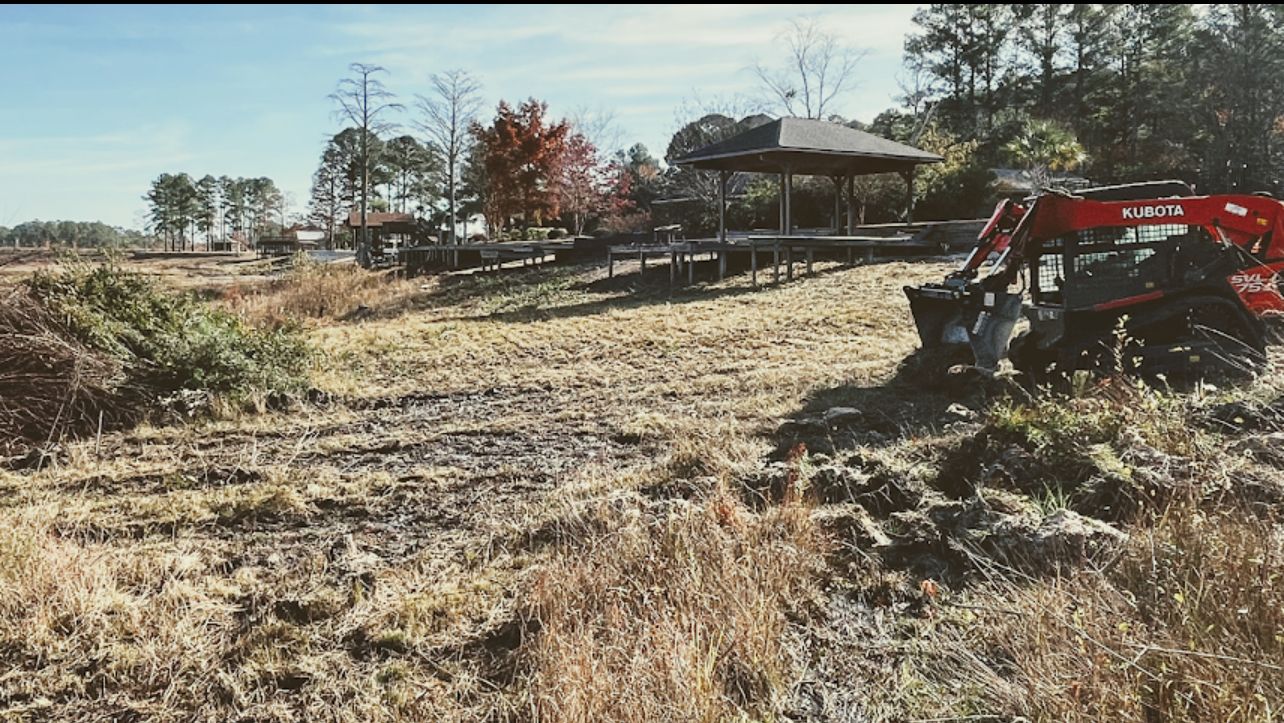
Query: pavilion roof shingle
pixel 808 147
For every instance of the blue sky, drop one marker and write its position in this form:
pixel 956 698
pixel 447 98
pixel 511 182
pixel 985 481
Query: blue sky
pixel 102 99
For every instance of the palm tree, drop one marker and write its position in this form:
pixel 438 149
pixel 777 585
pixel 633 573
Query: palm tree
pixel 1043 147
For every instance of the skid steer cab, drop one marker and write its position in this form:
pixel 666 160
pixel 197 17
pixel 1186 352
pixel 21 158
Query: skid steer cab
pixel 1146 278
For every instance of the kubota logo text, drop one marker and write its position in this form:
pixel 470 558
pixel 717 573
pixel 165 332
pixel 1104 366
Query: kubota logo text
pixel 1168 211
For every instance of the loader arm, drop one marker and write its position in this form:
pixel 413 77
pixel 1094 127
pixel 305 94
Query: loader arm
pixel 994 238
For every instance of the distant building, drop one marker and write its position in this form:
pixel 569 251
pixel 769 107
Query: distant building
pixel 387 229
pixel 474 225
pixel 291 241
pixel 235 242
pixel 306 234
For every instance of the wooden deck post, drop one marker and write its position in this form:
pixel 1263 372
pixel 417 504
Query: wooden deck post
pixel 753 264
pixel 690 269
pixel 789 263
pixel 673 267
pixel 642 260
pixel 610 263
pixel 775 261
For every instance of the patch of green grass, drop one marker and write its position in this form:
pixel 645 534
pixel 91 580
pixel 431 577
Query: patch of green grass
pixel 531 293
pixel 1053 500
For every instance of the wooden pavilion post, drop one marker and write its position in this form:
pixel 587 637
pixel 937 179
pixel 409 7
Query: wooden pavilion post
pixel 909 194
pixel 781 199
pixel 838 203
pixel 851 204
pixel 789 199
pixel 722 205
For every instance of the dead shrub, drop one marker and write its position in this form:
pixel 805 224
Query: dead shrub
pixel 86 346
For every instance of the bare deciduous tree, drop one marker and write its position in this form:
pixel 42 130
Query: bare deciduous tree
pixel 600 126
pixel 364 102
pixel 818 68
pixel 917 86
pixel 445 118
pixel 701 121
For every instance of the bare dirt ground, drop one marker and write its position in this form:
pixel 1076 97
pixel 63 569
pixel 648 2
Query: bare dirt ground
pixel 549 495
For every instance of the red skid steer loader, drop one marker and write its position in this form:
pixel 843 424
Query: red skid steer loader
pixel 1147 278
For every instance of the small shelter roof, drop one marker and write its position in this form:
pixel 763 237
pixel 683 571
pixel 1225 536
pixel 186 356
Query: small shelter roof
pixel 807 147
pixel 376 219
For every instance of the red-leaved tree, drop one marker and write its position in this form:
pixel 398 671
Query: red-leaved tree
pixel 523 155
pixel 619 212
pixel 591 187
pixel 584 181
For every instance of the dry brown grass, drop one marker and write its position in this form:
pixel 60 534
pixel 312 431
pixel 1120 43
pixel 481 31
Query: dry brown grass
pixel 1186 624
pixel 1184 621
pixel 678 617
pixel 528 506
pixel 314 291
pixel 84 622
pixel 179 270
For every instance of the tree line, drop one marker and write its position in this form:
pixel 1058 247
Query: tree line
pixel 1108 93
pixel 1116 93
pixel 183 211
pixel 75 234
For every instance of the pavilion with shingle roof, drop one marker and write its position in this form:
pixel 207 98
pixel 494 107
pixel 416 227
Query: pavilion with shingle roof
pixel 790 146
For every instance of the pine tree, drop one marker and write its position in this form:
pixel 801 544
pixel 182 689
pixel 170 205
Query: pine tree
pixel 1240 58
pixel 207 201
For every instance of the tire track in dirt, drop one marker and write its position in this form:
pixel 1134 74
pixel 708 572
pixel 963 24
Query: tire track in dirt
pixel 398 476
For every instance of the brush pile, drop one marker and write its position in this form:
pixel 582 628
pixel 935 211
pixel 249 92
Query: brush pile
pixel 87 348
pixel 49 379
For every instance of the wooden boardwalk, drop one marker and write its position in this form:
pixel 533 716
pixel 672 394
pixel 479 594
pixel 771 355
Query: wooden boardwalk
pixel 753 251
pixel 490 255
pixel 787 250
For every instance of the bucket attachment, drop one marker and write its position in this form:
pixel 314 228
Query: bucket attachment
pixel 982 320
pixel 938 314
pixel 993 328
